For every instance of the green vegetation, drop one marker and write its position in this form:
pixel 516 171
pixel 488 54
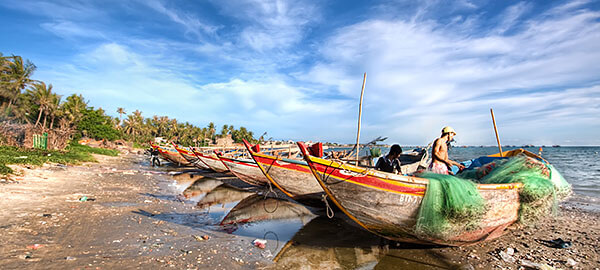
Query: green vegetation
pixel 73 154
pixel 78 148
pixel 25 100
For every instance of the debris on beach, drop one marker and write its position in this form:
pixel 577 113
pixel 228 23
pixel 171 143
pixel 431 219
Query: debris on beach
pixel 538 266
pixel 260 243
pixel 34 246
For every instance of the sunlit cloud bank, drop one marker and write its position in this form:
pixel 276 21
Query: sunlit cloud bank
pixel 294 68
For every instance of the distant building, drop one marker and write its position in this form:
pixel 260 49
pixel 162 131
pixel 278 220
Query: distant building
pixel 224 141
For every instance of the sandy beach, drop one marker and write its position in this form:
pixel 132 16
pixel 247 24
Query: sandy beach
pixel 135 217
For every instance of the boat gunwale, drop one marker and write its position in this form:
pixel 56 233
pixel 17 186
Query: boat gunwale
pixel 395 179
pixel 224 160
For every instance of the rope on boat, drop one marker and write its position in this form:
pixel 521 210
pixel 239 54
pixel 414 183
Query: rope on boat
pixel 328 208
pixel 265 199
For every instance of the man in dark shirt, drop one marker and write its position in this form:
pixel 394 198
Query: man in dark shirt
pixel 390 163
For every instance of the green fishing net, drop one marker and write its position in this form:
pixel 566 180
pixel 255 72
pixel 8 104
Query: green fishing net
pixel 450 203
pixel 453 204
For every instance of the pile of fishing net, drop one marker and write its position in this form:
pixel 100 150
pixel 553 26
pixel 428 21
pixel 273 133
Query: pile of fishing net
pixel 453 204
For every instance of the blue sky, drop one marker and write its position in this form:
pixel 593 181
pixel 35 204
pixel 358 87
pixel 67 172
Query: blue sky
pixel 294 68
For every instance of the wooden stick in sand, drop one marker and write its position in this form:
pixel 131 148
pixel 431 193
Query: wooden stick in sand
pixel 359 116
pixel 496 130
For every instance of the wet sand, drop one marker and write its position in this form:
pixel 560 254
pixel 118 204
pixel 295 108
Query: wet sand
pixel 143 218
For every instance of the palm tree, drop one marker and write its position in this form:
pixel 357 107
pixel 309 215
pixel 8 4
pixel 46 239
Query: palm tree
pixel 211 130
pixel 42 96
pixel 15 78
pixel 54 109
pixel 224 130
pixel 73 108
pixel 121 112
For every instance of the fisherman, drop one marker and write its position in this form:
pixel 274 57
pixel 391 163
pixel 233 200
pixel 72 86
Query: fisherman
pixel 154 156
pixel 440 163
pixel 390 163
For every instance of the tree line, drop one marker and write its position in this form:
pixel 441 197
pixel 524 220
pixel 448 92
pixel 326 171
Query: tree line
pixel 28 101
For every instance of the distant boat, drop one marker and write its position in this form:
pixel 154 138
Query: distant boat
pixel 556 145
pixel 169 153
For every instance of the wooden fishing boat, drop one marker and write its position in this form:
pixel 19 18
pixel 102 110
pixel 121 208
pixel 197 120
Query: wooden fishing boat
pixel 388 204
pixel 170 154
pixel 245 169
pixel 188 155
pixel 211 161
pixel 292 176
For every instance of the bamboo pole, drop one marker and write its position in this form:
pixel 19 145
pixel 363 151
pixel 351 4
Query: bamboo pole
pixel 362 91
pixel 496 130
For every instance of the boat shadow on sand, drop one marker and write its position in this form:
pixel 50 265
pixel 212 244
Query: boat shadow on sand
pixel 297 236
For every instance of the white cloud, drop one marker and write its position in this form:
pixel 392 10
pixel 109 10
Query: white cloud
pixel 113 75
pixel 423 76
pixel 271 24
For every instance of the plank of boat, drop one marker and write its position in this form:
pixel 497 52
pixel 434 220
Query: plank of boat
pixel 211 161
pixel 292 177
pixel 245 170
pixel 387 204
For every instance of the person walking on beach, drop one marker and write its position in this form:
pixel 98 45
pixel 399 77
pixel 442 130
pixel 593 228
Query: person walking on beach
pixel 154 157
pixel 390 163
pixel 440 163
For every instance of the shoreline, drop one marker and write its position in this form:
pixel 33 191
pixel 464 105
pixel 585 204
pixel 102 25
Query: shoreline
pixel 134 218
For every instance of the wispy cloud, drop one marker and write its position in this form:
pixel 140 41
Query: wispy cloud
pixel 70 30
pixel 189 21
pixel 511 15
pixel 271 24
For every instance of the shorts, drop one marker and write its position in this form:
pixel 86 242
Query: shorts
pixel 439 168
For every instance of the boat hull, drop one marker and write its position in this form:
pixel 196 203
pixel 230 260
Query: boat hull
pixel 292 177
pixel 170 154
pixel 212 162
pixel 246 171
pixel 190 157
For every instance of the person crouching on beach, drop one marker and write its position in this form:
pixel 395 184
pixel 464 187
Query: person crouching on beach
pixel 390 163
pixel 440 163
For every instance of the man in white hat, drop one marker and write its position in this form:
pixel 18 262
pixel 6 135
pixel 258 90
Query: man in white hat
pixel 439 160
